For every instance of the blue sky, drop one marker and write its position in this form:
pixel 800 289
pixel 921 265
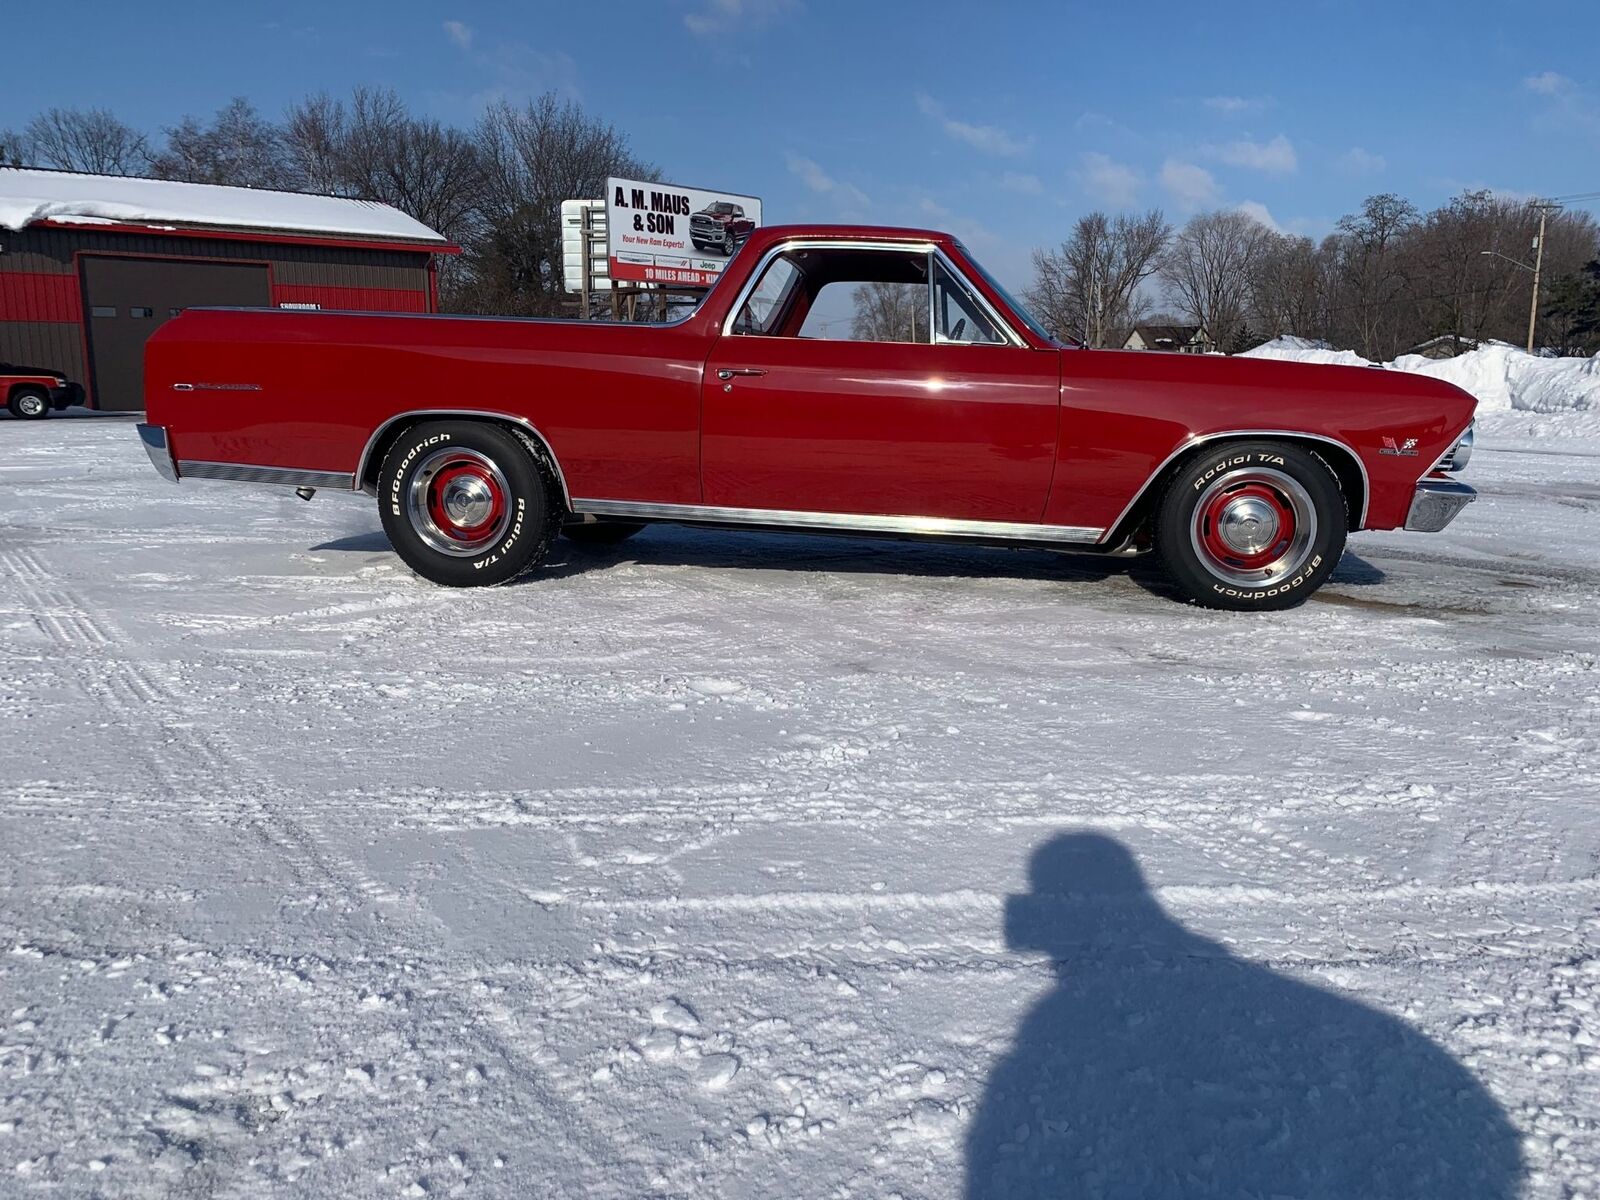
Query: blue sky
pixel 1002 122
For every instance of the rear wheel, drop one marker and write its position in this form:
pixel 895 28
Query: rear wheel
pixel 466 504
pixel 1252 525
pixel 29 403
pixel 601 533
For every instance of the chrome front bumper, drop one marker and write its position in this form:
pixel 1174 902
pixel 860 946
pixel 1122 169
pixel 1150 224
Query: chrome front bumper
pixel 154 438
pixel 1436 503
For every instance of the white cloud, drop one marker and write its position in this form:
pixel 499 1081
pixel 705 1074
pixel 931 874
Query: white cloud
pixel 1190 187
pixel 1022 183
pixel 1114 184
pixel 1548 83
pixel 1233 106
pixel 1253 208
pixel 990 139
pixel 1276 157
pixel 723 16
pixel 1356 161
pixel 810 173
pixel 460 34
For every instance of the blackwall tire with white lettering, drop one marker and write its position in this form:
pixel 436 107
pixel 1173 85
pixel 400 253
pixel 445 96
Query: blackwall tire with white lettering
pixel 466 503
pixel 1251 526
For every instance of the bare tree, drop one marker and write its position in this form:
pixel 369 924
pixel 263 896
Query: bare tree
pixel 239 147
pixel 1090 286
pixel 80 139
pixel 1373 285
pixel 1289 282
pixel 314 136
pixel 1207 272
pixel 890 312
pixel 535 156
pixel 376 150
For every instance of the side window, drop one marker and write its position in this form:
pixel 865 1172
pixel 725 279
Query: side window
pixel 769 300
pixel 879 311
pixel 957 316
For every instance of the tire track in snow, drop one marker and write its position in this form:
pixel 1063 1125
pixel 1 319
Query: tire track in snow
pixel 192 765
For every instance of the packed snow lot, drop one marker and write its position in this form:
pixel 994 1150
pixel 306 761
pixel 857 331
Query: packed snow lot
pixel 701 866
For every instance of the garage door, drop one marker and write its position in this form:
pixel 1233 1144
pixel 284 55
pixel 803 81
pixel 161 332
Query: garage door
pixel 128 299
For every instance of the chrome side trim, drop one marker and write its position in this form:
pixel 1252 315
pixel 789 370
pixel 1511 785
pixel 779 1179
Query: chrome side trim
pixel 245 473
pixel 1190 443
pixel 366 451
pixel 154 438
pixel 1435 504
pixel 908 246
pixel 855 522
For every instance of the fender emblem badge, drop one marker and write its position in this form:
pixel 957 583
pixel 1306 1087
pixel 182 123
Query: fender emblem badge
pixel 1405 449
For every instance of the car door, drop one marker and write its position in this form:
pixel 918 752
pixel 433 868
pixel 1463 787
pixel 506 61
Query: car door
pixel 797 416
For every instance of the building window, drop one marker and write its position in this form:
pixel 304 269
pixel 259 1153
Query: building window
pixel 141 311
pixel 172 312
pixel 103 310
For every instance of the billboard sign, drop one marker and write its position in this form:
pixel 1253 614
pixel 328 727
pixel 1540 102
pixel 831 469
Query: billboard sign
pixel 661 233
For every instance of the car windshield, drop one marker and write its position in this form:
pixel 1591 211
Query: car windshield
pixel 720 207
pixel 1011 302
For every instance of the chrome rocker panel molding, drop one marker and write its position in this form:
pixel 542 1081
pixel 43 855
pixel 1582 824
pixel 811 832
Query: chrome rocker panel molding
pixel 1435 504
pixel 154 438
pixel 245 473
pixel 482 414
pixel 706 514
pixel 1192 443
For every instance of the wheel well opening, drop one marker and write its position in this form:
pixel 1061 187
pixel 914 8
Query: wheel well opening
pixel 396 430
pixel 1343 463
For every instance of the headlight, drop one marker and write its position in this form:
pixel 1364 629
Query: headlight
pixel 1460 454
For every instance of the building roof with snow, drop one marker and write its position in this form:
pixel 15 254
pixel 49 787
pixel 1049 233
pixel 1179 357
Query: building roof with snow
pixel 56 198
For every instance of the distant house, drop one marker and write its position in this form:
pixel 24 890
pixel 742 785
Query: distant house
pixel 1446 345
pixel 1181 339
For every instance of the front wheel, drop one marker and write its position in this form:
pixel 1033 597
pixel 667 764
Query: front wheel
pixel 1252 525
pixel 30 404
pixel 467 504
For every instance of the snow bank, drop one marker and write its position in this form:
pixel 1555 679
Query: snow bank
pixel 1505 378
pixel 29 196
pixel 1502 377
pixel 1299 349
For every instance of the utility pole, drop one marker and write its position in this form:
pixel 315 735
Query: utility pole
pixel 1538 264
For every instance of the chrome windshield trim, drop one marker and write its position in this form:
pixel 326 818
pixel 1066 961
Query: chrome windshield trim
pixel 1191 443
pixel 250 473
pixel 481 413
pixel 159 449
pixel 853 522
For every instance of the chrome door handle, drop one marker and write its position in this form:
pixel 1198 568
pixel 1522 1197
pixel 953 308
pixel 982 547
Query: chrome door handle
pixel 727 373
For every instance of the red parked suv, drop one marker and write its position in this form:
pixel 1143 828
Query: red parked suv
pixel 720 225
pixel 33 392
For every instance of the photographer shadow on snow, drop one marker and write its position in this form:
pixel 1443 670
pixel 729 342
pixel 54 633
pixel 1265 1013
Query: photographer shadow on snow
pixel 1161 1065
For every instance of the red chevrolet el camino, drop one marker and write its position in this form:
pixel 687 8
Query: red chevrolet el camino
pixel 946 411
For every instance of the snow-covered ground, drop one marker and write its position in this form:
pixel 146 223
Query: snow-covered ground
pixel 731 865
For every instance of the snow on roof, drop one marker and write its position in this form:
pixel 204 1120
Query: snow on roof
pixel 27 196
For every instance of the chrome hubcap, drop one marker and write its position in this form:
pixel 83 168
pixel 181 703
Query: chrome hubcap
pixel 459 502
pixel 31 405
pixel 1248 525
pixel 467 501
pixel 1254 526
